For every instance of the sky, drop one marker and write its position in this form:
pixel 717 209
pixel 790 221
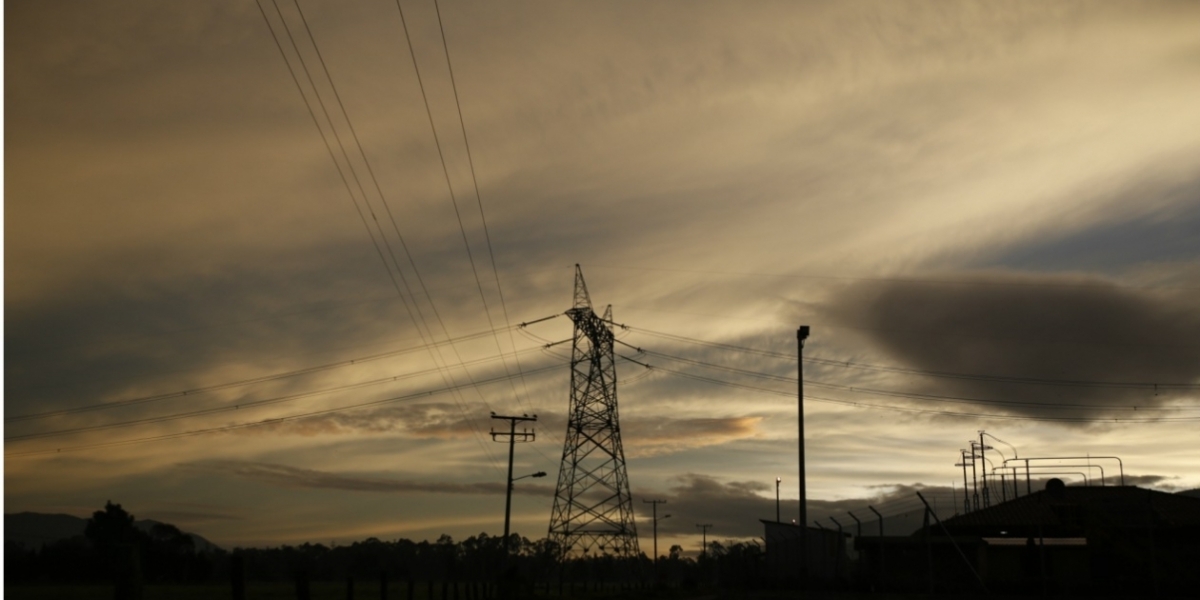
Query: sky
pixel 266 270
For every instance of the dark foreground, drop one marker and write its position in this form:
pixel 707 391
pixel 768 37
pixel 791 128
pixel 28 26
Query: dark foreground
pixel 337 591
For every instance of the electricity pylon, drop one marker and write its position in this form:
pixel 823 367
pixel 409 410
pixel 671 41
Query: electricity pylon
pixel 593 509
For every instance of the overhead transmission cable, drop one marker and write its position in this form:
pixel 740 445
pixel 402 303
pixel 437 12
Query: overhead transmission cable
pixel 909 371
pixel 383 200
pixel 475 183
pixel 448 377
pixel 242 405
pixel 978 282
pixel 446 173
pixel 869 405
pixel 277 420
pixel 233 384
pixel 900 394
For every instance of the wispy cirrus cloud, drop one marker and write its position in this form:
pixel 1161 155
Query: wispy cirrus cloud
pixel 295 477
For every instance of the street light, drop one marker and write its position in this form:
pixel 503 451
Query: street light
pixel 777 480
pixel 508 503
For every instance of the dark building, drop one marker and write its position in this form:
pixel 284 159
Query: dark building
pixel 1119 539
pixel 828 563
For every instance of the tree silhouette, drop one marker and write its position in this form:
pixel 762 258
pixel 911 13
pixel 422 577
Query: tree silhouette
pixel 112 532
pixel 110 528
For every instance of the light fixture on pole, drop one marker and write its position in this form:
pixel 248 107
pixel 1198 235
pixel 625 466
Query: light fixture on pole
pixel 508 504
pixel 801 336
pixel 777 480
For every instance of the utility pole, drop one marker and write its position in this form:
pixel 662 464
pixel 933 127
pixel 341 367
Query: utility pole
pixel 704 538
pixel 974 477
pixel 987 497
pixel 654 511
pixel 525 436
pixel 966 488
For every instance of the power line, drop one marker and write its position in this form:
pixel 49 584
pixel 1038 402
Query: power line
pixel 446 173
pixel 392 219
pixel 238 406
pixel 924 280
pixel 926 332
pixel 857 404
pixel 274 420
pixel 475 182
pixel 238 383
pixel 447 376
pixel 905 370
pixel 899 394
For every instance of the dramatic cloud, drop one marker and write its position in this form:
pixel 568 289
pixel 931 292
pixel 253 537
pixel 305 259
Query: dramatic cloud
pixel 1060 346
pixel 723 171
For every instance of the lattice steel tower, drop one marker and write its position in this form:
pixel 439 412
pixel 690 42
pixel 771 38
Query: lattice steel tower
pixel 593 509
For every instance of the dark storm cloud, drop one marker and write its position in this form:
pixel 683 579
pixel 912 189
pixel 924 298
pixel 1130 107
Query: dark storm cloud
pixel 293 477
pixel 1063 328
pixel 107 336
pixel 108 341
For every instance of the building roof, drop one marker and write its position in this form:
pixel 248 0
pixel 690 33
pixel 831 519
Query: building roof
pixel 1061 510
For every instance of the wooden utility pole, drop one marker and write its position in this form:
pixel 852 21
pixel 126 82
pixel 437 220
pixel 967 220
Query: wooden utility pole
pixel 526 436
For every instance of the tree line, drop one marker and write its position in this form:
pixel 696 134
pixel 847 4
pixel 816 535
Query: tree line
pixel 112 549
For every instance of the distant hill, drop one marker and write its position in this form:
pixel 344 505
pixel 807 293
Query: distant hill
pixel 35 530
pixel 1191 493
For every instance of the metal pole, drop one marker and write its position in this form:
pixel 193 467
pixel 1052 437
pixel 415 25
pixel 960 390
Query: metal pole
pixel 777 481
pixel 966 488
pixel 974 477
pixel 1120 463
pixel 801 335
pixel 882 560
pixel 983 454
pixel 839 547
pixel 856 521
pixel 880 517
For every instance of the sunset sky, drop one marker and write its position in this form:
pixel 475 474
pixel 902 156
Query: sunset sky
pixel 959 199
